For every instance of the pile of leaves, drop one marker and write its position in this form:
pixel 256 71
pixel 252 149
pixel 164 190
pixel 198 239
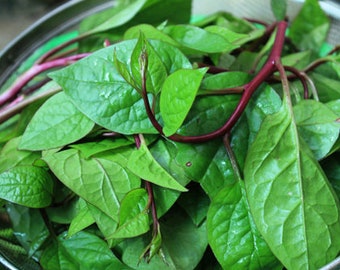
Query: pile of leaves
pixel 154 139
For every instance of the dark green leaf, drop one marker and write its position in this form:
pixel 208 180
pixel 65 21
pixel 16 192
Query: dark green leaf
pixel 290 198
pixel 229 223
pixel 183 245
pixel 309 29
pixel 208 113
pixel 29 227
pixel 27 185
pixel 225 80
pixel 55 124
pixel 317 126
pixel 218 174
pixel 81 251
pixel 133 215
pixel 328 89
pixel 177 96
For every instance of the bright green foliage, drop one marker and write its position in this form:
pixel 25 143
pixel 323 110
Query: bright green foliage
pixel 143 164
pixel 27 185
pixel 178 94
pixel 84 250
pixel 279 8
pixel 98 101
pixel 292 203
pixel 229 221
pixel 309 34
pixel 136 159
pixel 100 182
pixel 133 216
pixel 56 123
pixel 197 39
pixel 317 126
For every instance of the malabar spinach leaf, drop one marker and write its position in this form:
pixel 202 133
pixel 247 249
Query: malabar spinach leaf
pixel 57 123
pixel 27 185
pixel 100 182
pixel 177 96
pixel 83 250
pixel 143 164
pixel 309 34
pixel 133 215
pixel 293 205
pixel 317 125
pixel 98 100
pixel 230 223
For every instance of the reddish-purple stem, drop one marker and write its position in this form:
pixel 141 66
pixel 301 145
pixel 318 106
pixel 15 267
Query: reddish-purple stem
pixel 267 70
pixel 21 81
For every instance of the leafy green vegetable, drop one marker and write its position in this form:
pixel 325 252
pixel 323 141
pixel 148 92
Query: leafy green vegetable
pixel 167 140
pixel 55 124
pixel 289 195
pixel 178 94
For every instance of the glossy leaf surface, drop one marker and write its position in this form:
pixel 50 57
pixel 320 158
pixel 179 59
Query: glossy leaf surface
pixel 100 182
pixel 177 96
pixel 229 224
pixel 57 123
pixel 27 185
pixel 293 205
pixel 99 101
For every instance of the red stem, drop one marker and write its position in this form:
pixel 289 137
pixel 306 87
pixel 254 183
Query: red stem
pixel 21 81
pixel 267 70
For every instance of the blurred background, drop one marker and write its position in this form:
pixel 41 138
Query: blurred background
pixel 17 15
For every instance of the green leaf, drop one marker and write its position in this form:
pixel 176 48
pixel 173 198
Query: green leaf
pixel 225 80
pixel 113 103
pixel 150 32
pixel 177 96
pixel 144 57
pixel 133 215
pixel 27 185
pixel 299 60
pixel 120 15
pixel 142 163
pixel 230 223
pixel 292 203
pixel 279 8
pixel 89 149
pixel 198 39
pixel 233 37
pixel 208 113
pixel 55 124
pixel 81 251
pixel 218 174
pixel 183 245
pixel 11 157
pixel 29 227
pixel 317 126
pixel 328 88
pixel 105 223
pixel 82 220
pixel 99 181
pixel 310 27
